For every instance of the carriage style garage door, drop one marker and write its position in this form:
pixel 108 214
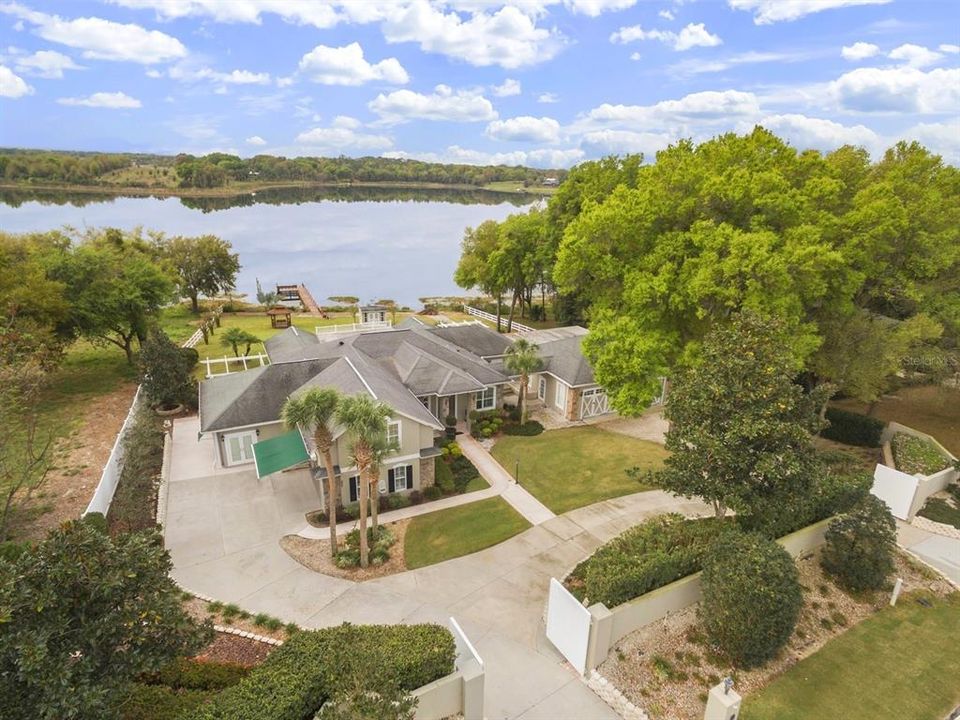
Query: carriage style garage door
pixel 593 402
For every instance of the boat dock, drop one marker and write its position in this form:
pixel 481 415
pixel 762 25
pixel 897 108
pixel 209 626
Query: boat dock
pixel 301 293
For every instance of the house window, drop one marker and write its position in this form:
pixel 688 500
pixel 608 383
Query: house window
pixel 561 396
pixel 400 479
pixel 487 399
pixel 393 434
pixel 542 388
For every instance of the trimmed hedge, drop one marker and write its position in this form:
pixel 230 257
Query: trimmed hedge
pixel 915 455
pixel 159 702
pixel 859 546
pixel 644 558
pixel 312 667
pixel 853 428
pixel 528 429
pixel 190 674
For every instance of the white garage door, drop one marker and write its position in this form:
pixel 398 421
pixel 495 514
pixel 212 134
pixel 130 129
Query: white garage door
pixel 593 402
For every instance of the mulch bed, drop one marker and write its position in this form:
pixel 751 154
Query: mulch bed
pixel 668 667
pixel 236 649
pixel 315 555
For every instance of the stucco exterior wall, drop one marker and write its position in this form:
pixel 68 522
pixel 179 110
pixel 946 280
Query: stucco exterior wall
pixel 264 432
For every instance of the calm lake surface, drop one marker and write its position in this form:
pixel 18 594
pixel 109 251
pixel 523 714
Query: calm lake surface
pixel 369 242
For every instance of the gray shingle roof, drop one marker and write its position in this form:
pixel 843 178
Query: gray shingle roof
pixel 565 359
pixel 478 339
pixel 293 344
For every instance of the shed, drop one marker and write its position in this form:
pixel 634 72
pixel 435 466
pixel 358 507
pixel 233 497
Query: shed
pixel 280 317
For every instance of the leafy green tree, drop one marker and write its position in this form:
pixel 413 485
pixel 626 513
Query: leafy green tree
pixel 267 299
pixel 751 597
pixel 204 265
pixel 116 285
pixel 316 409
pixel 83 614
pixel 740 429
pixel 474 269
pixel 523 358
pixel 234 337
pixel 365 419
pixel 860 546
pixel 164 371
pixel 515 263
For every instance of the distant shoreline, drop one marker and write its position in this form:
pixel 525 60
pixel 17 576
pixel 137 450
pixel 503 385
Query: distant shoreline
pixel 245 188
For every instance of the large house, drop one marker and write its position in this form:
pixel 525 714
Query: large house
pixel 427 375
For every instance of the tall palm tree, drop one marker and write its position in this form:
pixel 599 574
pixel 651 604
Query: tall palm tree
pixel 523 358
pixel 366 421
pixel 317 408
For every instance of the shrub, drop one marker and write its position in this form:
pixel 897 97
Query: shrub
pixel 157 702
pixel 443 477
pixel 463 472
pixel 395 502
pixel 97 521
pixel 530 428
pixel 134 503
pixel 190 674
pixel 859 546
pixel 645 557
pixel 853 428
pixel 916 456
pixel 416 497
pixel 164 371
pixel 751 597
pixel 10 550
pixel 941 511
pixel 312 667
pixel 432 493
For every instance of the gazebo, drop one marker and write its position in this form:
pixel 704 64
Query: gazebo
pixel 280 317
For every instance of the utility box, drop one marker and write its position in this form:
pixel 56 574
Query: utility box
pixel 722 704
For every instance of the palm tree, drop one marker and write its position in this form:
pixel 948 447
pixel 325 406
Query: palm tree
pixel 378 451
pixel 235 337
pixel 366 421
pixel 317 408
pixel 523 358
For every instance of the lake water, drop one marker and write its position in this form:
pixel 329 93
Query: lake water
pixel 370 242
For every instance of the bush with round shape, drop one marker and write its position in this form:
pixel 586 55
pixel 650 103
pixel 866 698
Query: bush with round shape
pixel 751 597
pixel 432 493
pixel 859 547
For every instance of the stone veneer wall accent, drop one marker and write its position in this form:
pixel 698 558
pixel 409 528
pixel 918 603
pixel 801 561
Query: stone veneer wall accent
pixel 427 473
pixel 572 411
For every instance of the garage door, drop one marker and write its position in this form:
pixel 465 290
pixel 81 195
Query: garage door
pixel 593 402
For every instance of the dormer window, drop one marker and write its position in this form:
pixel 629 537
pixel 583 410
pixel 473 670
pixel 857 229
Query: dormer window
pixel 393 433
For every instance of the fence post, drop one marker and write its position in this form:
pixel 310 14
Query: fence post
pixel 601 632
pixel 472 690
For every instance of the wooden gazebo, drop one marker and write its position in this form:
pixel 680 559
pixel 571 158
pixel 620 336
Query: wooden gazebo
pixel 280 317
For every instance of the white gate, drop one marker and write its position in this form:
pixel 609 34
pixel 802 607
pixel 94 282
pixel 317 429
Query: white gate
pixel 896 489
pixel 568 625
pixel 594 402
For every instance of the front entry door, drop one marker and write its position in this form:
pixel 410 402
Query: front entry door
pixel 238 447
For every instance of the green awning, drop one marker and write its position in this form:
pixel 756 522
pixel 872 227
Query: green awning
pixel 279 453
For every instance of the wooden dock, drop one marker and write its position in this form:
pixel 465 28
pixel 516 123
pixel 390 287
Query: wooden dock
pixel 307 299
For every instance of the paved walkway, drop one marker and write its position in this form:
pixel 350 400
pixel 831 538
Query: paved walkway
pixel 940 551
pixel 222 531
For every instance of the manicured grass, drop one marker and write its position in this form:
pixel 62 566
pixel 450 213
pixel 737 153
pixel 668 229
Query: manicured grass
pixel 903 661
pixel 573 467
pixel 931 408
pixel 462 530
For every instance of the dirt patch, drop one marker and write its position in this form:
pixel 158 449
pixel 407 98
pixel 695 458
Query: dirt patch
pixel 236 649
pixel 78 460
pixel 668 667
pixel 315 555
pixel 866 457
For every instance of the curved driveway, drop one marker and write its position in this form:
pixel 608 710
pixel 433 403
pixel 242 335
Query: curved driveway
pixel 222 530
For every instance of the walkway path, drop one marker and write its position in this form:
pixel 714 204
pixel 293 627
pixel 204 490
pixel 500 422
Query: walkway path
pixel 501 484
pixel 222 531
pixel 940 551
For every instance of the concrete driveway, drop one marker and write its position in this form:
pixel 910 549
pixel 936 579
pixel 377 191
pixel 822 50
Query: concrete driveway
pixel 222 531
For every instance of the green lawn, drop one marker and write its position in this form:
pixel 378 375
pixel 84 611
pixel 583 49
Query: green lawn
pixel 462 530
pixel 573 467
pixel 903 658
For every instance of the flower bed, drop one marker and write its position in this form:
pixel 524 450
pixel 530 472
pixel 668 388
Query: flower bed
pixel 916 456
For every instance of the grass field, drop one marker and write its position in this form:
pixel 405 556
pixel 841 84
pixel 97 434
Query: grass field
pixel 462 530
pixel 930 408
pixel 902 662
pixel 573 467
pixel 517 187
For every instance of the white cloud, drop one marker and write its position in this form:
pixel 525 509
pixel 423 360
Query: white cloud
pixel 113 101
pixel 766 12
pixel 301 12
pixel 47 64
pixel 607 141
pixel 636 56
pixel 347 66
pixel 525 129
pixel 898 90
pixel 859 51
pixel 154 74
pixel 102 39
pixel 952 49
pixel 187 73
pixel 337 140
pixel 807 132
pixel 508 88
pixel 12 85
pixel 594 8
pixel 345 121
pixel 548 98
pixel 941 138
pixel 666 14
pixel 255 140
pixel 442 104
pixel 542 158
pixel 707 105
pixel 915 55
pixel 693 35
pixel 284 82
pixel 698 66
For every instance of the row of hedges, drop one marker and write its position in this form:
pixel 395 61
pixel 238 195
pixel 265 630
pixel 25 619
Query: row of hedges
pixel 853 428
pixel 178 689
pixel 134 505
pixel 915 455
pixel 313 667
pixel 644 558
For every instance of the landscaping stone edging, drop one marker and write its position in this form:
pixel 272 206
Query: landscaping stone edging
pixel 161 514
pixel 232 630
pixel 608 692
pixel 935 527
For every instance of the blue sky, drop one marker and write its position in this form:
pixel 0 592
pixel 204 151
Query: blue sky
pixel 540 82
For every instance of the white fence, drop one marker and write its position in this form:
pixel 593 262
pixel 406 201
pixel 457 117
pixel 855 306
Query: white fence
pixel 193 339
pixel 568 625
pixel 516 327
pixel 344 328
pixel 248 361
pixel 103 495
